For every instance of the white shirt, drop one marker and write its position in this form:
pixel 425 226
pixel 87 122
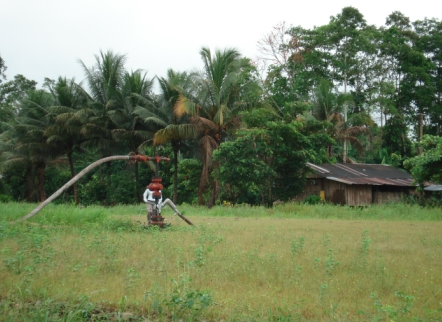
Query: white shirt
pixel 148 197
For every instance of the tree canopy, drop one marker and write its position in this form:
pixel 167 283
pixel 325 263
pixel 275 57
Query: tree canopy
pixel 237 130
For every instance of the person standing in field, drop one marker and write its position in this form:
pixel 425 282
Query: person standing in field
pixel 150 204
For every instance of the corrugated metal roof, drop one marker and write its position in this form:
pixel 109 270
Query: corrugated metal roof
pixel 364 174
pixel 436 187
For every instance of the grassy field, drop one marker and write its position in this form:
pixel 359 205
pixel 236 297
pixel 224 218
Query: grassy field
pixel 290 263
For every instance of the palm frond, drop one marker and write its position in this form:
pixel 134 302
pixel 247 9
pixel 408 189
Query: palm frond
pixel 233 123
pixel 202 123
pixel 357 130
pixel 184 106
pixel 176 132
pixel 354 143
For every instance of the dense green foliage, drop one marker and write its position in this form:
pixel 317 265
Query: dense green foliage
pixel 267 162
pixel 345 91
pixel 428 165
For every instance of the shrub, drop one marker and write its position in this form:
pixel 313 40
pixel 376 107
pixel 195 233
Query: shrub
pixel 5 198
pixel 312 200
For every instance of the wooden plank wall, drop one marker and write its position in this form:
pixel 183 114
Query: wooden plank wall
pixel 335 192
pixel 353 195
pixel 313 186
pixel 359 195
pixel 380 197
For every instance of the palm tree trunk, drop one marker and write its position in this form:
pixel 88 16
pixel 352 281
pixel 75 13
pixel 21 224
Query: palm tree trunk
pixel 41 182
pixel 175 172
pixel 101 170
pixel 108 179
pixel 214 194
pixel 30 185
pixel 137 188
pixel 71 167
pixel 270 200
pixel 214 189
pixel 200 192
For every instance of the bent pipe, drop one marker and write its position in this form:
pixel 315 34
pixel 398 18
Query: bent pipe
pixel 174 208
pixel 78 176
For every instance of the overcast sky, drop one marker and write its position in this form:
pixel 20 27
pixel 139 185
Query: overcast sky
pixel 46 38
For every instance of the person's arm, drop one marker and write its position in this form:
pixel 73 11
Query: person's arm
pixel 145 195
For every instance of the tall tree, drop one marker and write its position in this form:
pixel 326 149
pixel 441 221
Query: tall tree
pixel 3 69
pixel 11 93
pixel 25 140
pixel 409 72
pixel 344 42
pixel 291 64
pixel 429 42
pixel 329 106
pixel 177 129
pixel 212 106
pixel 135 118
pixel 65 132
pixel 104 80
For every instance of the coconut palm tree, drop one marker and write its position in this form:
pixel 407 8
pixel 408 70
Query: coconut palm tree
pixel 136 119
pixel 177 129
pixel 104 81
pixel 211 104
pixel 11 157
pixel 122 114
pixel 24 140
pixel 65 132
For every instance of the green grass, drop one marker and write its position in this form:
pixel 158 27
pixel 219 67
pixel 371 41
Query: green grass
pixel 69 214
pixel 290 263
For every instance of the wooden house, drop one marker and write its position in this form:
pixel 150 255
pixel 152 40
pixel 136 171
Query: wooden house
pixel 358 184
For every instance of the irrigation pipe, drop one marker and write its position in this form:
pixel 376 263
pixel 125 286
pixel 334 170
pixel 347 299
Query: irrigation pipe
pixel 77 177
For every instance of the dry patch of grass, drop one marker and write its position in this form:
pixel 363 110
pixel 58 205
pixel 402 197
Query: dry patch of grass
pixel 231 268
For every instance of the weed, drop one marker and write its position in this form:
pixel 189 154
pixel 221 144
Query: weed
pixel 317 261
pixel 406 302
pixel 298 246
pixel 132 278
pixel 365 243
pixel 199 256
pixel 206 241
pixel 326 240
pixel 330 262
pixel 123 303
pixel 182 300
pixel 156 299
pixel 15 262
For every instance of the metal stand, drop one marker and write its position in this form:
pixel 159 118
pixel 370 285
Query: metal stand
pixel 155 186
